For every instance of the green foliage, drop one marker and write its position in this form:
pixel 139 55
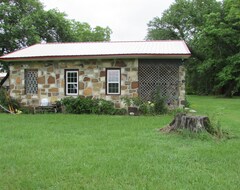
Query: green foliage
pixel 16 24
pixel 219 41
pixel 27 110
pixel 182 20
pixel 156 106
pixel 82 105
pixel 83 32
pixel 78 105
pixel 187 102
pixel 121 111
pixel 147 108
pixel 176 111
pixel 159 102
pixel 127 101
pixel 8 102
pixel 215 126
pixel 131 101
pixel 203 135
pixel 104 107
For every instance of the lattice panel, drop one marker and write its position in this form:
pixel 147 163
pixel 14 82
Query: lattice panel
pixel 162 75
pixel 31 85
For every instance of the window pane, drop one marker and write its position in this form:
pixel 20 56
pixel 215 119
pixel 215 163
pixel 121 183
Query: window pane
pixel 72 88
pixel 31 81
pixel 74 79
pixel 113 81
pixel 113 88
pixel 113 75
pixel 71 76
pixel 68 77
pixel 72 82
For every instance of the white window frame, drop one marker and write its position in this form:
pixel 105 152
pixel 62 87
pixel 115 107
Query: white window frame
pixel 113 82
pixel 67 83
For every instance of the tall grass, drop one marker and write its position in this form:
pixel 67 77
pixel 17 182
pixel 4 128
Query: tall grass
pixel 56 151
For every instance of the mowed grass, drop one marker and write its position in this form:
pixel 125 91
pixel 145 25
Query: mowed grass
pixel 57 151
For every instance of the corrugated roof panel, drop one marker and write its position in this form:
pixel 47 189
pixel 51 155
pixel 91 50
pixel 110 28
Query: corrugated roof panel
pixel 101 49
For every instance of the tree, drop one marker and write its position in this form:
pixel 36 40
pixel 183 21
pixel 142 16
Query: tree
pixel 52 26
pixel 219 40
pixel 211 30
pixel 15 30
pixel 14 16
pixel 83 32
pixel 182 20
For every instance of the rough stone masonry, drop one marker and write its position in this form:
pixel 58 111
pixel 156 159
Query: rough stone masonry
pixel 92 80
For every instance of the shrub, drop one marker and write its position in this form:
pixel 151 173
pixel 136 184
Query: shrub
pixel 156 106
pixel 78 105
pixel 128 101
pixel 82 105
pixel 121 111
pixel 132 101
pixel 105 107
pixel 147 108
pixel 159 102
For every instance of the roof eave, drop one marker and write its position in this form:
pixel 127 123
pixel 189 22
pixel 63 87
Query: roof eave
pixel 46 58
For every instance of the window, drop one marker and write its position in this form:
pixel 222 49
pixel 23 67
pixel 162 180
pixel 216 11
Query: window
pixel 113 81
pixel 71 82
pixel 31 84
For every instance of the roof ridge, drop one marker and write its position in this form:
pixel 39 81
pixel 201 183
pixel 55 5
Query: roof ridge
pixel 140 41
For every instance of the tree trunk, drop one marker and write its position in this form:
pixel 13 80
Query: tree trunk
pixel 4 79
pixel 192 123
pixel 229 91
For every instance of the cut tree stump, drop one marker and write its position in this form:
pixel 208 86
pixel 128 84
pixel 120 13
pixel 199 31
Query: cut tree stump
pixel 190 122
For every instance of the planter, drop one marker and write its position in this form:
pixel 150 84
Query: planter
pixel 133 111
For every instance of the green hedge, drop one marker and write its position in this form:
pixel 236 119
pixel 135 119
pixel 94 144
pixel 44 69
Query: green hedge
pixel 82 105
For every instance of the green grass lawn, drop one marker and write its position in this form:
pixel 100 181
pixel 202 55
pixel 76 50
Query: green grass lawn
pixel 56 151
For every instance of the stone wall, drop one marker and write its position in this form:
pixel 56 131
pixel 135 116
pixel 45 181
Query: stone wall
pixel 181 98
pixel 92 74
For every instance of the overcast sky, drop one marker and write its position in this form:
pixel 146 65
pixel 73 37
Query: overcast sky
pixel 127 18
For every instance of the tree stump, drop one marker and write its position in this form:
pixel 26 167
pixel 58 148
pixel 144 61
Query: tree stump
pixel 190 122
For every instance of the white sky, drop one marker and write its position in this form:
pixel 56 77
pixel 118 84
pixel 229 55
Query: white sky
pixel 127 18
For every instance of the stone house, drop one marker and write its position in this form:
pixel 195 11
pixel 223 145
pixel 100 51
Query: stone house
pixel 108 70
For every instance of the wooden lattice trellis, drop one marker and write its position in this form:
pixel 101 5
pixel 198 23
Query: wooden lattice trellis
pixel 162 75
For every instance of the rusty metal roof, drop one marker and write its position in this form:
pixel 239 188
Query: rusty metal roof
pixel 92 50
